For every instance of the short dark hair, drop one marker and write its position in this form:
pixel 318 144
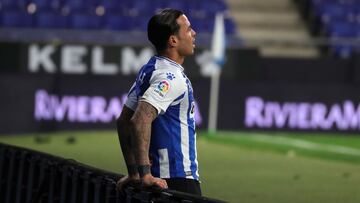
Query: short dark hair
pixel 161 26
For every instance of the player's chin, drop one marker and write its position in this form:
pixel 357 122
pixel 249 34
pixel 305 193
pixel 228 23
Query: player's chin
pixel 191 52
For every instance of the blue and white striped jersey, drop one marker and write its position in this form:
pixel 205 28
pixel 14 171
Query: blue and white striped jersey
pixel 163 84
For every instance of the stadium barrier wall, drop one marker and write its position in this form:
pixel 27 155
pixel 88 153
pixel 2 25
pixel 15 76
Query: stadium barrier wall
pixel 31 176
pixel 46 103
pixel 83 86
pixel 106 60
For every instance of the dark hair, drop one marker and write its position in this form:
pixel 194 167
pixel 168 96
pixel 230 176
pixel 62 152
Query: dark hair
pixel 161 26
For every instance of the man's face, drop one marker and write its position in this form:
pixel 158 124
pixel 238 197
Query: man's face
pixel 186 37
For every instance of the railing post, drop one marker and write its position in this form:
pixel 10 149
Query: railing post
pixel 20 176
pixel 52 182
pixel 110 189
pixel 64 169
pixel 9 185
pixel 3 164
pixel 97 189
pixel 30 176
pixel 86 182
pixel 41 190
pixel 74 185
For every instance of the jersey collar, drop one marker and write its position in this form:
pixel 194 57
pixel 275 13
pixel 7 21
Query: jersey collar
pixel 170 61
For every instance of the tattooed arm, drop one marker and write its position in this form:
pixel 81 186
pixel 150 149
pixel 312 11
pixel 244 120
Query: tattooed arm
pixel 124 133
pixel 124 130
pixel 141 122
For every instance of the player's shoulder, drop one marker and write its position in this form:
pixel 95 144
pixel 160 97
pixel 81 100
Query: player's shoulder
pixel 168 71
pixel 169 81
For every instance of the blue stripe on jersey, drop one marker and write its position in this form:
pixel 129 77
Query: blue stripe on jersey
pixel 169 138
pixel 143 77
pixel 180 97
pixel 176 163
pixel 191 128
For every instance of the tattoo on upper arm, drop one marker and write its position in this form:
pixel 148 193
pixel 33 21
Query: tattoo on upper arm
pixel 145 112
pixel 126 115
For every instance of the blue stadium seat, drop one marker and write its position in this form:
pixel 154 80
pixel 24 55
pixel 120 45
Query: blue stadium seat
pixel 48 19
pixel 200 26
pixel 340 19
pixel 108 14
pixel 214 6
pixel 47 4
pixel 111 6
pixel 230 27
pixel 175 4
pixel 115 22
pixel 344 51
pixel 329 12
pixel 342 30
pixel 16 18
pixel 80 5
pixel 84 21
pixel 13 4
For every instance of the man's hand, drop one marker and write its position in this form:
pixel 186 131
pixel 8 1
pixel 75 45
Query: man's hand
pixel 122 182
pixel 149 180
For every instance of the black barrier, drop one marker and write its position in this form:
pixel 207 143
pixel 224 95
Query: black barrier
pixel 43 103
pixel 32 177
pixel 69 86
pixel 36 104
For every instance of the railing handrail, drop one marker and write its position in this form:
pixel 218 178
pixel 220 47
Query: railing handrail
pixel 54 171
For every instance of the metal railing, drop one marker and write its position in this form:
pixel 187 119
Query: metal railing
pixel 31 176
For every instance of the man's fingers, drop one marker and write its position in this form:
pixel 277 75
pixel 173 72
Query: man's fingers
pixel 161 183
pixel 149 180
pixel 124 181
pixel 120 184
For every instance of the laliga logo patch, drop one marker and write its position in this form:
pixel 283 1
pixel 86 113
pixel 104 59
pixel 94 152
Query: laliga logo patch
pixel 162 88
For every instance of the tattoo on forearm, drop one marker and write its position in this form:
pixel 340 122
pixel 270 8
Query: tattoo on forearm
pixel 125 134
pixel 142 119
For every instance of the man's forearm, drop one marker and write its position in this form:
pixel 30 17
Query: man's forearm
pixel 141 139
pixel 141 122
pixel 129 157
pixel 125 133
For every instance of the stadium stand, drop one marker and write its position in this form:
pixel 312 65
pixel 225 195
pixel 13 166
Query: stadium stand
pixel 274 27
pixel 335 19
pixel 120 15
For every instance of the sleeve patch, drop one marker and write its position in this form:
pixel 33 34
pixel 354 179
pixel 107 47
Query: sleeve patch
pixel 162 88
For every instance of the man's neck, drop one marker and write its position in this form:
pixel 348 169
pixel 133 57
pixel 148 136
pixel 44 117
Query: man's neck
pixel 173 56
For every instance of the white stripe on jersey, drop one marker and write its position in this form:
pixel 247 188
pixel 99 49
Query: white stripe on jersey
pixel 164 163
pixel 184 105
pixel 196 161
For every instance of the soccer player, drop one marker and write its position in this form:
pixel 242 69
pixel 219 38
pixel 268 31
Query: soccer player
pixel 156 127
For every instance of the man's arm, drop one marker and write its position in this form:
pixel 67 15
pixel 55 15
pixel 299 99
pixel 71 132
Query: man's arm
pixel 124 130
pixel 141 121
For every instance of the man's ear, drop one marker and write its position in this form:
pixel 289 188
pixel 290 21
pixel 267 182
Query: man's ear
pixel 173 41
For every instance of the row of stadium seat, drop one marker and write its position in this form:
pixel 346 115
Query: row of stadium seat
pixel 115 5
pixel 339 19
pixel 105 14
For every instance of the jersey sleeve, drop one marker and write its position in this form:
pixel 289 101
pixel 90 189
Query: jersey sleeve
pixel 131 101
pixel 163 91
